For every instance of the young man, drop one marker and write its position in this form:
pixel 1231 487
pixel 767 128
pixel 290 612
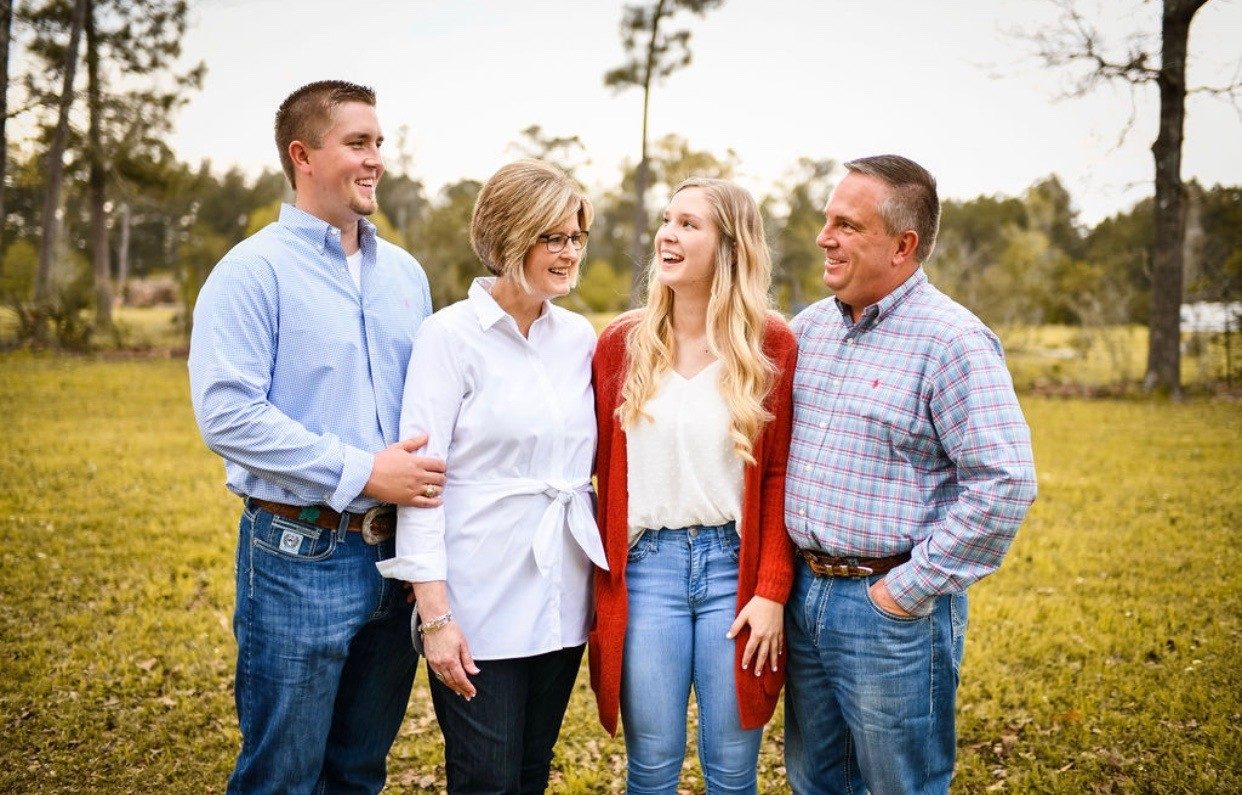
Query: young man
pixel 909 472
pixel 302 335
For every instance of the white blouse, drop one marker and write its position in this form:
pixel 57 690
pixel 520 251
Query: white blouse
pixel 514 419
pixel 683 469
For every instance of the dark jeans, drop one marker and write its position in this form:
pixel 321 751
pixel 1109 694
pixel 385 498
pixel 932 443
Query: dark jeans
pixel 501 741
pixel 324 660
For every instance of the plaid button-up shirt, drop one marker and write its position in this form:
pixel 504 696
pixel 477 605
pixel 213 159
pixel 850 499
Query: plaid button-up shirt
pixel 907 436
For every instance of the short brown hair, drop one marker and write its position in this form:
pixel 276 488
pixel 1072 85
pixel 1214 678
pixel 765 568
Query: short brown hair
pixel 519 203
pixel 306 115
pixel 913 203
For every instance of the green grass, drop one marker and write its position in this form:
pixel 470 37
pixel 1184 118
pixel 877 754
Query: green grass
pixel 1103 657
pixel 1045 359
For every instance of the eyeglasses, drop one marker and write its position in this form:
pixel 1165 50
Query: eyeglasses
pixel 556 243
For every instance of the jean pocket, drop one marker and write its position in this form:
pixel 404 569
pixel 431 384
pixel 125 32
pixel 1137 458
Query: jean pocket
pixel 732 542
pixel 643 547
pixel 293 540
pixel 884 613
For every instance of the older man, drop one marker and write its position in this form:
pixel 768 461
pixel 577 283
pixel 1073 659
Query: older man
pixel 909 473
pixel 302 335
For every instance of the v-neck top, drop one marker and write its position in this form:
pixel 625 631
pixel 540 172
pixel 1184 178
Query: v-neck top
pixel 683 469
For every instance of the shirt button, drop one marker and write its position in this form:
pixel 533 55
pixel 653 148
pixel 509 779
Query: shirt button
pixel 806 467
pixel 823 426
pixel 801 512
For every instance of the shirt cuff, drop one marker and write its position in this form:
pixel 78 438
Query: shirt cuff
pixel 422 568
pixel 909 592
pixel 354 476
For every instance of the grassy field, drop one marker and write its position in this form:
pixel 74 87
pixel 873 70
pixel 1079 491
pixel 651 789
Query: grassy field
pixel 1104 657
pixel 1047 359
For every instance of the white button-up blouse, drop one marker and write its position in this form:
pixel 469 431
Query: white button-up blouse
pixel 514 419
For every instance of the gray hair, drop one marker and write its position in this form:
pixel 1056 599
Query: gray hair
pixel 912 203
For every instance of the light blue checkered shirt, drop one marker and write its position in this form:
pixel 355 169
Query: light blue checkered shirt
pixel 907 436
pixel 296 375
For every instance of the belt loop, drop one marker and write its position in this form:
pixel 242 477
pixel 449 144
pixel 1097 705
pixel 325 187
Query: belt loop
pixel 342 527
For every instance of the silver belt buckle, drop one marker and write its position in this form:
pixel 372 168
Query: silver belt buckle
pixel 370 535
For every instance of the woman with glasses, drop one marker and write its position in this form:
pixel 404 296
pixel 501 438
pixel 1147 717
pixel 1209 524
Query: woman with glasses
pixel 693 403
pixel 501 572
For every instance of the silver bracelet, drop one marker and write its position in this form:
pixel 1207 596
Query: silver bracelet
pixel 435 624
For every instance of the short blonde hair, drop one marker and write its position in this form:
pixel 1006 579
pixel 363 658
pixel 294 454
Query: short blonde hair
pixel 520 202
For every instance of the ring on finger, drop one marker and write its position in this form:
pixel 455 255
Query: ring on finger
pixel 430 491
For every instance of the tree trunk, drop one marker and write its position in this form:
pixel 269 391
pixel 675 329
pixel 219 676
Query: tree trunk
pixel 638 246
pixel 6 25
pixel 1164 343
pixel 122 252
pixel 55 161
pixel 98 179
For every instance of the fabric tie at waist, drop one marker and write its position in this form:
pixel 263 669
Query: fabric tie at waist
pixel 569 506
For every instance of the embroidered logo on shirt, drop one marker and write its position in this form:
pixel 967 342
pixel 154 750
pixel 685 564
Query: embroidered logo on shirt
pixel 290 542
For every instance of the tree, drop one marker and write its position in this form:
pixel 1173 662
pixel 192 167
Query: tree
pixel 567 152
pixel 6 27
pixel 443 246
pixel 133 37
pixel 401 196
pixel 55 157
pixel 671 159
pixel 128 117
pixel 798 215
pixel 1076 43
pixel 654 54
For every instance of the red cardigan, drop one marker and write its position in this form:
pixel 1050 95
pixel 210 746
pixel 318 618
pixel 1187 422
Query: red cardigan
pixel 765 564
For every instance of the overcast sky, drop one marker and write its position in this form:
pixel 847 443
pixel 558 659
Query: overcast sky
pixel 942 82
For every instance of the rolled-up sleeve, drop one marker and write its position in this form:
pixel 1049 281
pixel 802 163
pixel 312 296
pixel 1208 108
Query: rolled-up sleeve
pixel 430 404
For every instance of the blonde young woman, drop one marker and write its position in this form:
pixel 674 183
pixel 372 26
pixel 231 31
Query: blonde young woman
pixel 501 572
pixel 693 404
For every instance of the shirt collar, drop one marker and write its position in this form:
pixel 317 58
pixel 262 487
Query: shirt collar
pixel 872 314
pixel 485 307
pixel 489 312
pixel 318 231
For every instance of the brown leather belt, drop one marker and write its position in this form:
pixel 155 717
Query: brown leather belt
pixel 825 565
pixel 376 524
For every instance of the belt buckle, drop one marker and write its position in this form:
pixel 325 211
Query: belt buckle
pixel 371 535
pixel 851 570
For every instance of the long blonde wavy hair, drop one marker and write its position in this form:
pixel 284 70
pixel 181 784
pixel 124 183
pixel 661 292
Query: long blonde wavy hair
pixel 736 312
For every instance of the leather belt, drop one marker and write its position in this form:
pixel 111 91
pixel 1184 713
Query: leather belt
pixel 376 524
pixel 825 565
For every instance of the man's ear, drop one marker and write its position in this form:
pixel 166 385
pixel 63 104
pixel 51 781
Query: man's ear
pixel 299 154
pixel 907 244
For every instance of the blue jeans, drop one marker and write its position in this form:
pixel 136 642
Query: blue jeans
pixel 500 742
pixel 869 697
pixel 682 599
pixel 324 658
